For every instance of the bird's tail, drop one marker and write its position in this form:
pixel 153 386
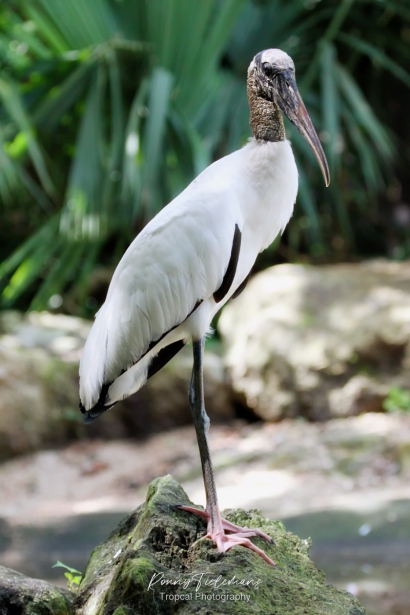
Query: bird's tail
pixel 99 408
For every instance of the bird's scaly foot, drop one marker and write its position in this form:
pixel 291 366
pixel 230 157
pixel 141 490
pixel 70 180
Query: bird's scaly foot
pixel 237 535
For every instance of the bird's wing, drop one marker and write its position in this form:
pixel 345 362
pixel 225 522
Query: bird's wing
pixel 176 262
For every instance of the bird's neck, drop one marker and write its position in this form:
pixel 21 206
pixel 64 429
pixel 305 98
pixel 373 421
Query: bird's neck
pixel 266 119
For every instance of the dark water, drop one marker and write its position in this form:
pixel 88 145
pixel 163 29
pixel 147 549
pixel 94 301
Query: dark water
pixel 368 554
pixel 33 549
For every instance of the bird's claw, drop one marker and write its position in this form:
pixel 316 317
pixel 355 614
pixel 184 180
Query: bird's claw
pixel 237 535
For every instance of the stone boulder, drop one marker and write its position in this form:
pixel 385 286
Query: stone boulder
pixel 154 564
pixel 39 357
pixel 319 342
pixel 20 595
pixel 39 382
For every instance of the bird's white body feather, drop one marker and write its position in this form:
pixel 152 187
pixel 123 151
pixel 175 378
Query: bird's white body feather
pixel 180 258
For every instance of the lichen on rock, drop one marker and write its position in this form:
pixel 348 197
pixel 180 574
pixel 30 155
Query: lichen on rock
pixel 156 563
pixel 320 342
pixel 39 354
pixel 21 595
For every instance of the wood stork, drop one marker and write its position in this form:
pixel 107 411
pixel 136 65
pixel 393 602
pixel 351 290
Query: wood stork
pixel 191 258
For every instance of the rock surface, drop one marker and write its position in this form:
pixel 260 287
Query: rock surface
pixel 156 543
pixel 39 356
pixel 320 342
pixel 285 469
pixel 20 595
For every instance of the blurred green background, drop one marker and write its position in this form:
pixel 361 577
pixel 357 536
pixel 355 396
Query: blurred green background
pixel 109 108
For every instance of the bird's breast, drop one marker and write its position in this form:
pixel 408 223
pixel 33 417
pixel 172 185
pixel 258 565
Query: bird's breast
pixel 271 187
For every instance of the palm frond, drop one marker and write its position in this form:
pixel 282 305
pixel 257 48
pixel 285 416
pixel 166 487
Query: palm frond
pixel 331 128
pixel 376 55
pixel 109 109
pixel 158 103
pixel 25 138
pixel 364 116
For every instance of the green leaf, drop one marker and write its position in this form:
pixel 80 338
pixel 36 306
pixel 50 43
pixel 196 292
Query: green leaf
pixel 397 400
pixel 158 103
pixel 108 110
pixel 29 268
pixel 63 97
pixel 59 564
pixel 82 216
pixel 364 114
pixel 307 201
pixel 376 55
pixel 333 29
pixel 64 268
pixel 331 107
pixel 45 235
pixel 48 29
pixel 131 173
pixel 73 576
pixel 14 105
pixel 75 24
pixel 371 170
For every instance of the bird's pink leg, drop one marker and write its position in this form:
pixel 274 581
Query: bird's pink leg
pixel 239 536
pixel 216 526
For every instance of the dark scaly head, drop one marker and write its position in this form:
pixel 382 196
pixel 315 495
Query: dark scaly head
pixel 272 90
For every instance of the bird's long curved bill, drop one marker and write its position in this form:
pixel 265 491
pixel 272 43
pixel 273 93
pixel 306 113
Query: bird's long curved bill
pixel 291 103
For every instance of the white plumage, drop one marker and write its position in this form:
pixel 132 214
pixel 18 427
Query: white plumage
pixel 180 258
pixel 193 257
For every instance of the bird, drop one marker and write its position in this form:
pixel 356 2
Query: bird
pixel 191 258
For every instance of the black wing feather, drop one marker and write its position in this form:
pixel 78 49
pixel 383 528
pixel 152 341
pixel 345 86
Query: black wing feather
pixel 231 269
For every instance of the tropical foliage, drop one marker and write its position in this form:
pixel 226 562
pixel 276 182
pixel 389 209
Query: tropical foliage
pixel 109 108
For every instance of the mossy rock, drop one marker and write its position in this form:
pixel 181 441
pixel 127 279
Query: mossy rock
pixel 153 563
pixel 20 595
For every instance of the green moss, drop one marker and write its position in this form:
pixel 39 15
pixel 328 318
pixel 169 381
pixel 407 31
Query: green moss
pixel 397 400
pixel 163 568
pixel 20 594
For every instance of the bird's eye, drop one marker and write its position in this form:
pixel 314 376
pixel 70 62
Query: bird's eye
pixel 268 69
